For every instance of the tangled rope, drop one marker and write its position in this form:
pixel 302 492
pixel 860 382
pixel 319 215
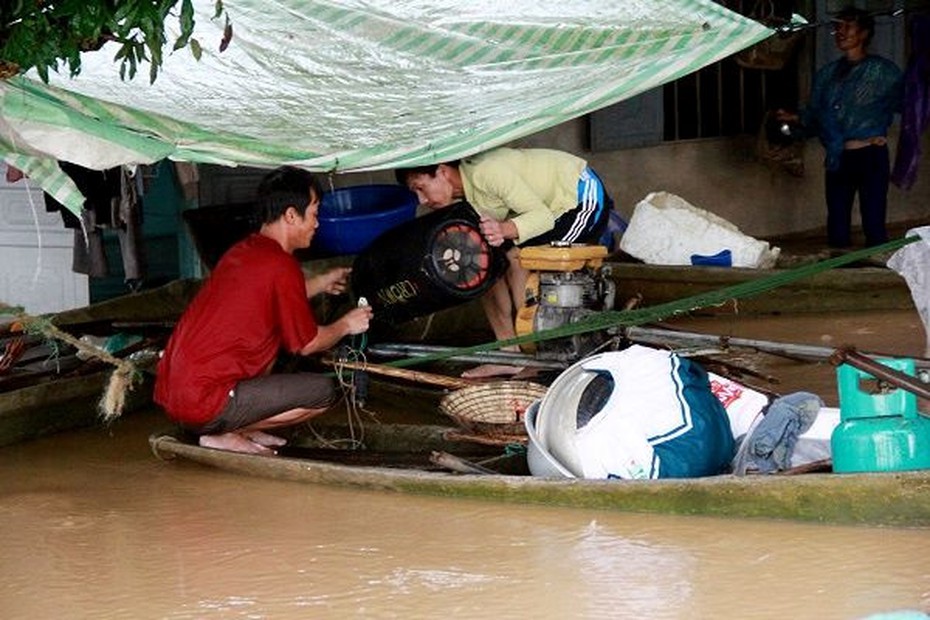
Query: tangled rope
pixel 121 382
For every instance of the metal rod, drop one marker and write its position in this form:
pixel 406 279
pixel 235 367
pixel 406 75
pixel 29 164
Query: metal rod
pixel 659 335
pixel 878 370
pixel 793 27
pixel 496 357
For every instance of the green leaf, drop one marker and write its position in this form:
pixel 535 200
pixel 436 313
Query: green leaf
pixel 49 34
pixel 187 18
pixel 124 10
pixel 196 50
pixel 140 50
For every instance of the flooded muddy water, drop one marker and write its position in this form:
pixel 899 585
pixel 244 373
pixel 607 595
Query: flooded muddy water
pixel 899 333
pixel 94 526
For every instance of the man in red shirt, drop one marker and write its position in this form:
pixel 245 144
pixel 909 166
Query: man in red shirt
pixel 214 377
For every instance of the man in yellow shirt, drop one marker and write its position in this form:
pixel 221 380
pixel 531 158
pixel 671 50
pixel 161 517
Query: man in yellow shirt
pixel 525 197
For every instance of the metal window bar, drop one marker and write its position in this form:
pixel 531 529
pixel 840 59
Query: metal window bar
pixel 726 83
pixel 742 99
pixel 711 110
pixel 698 104
pixel 719 72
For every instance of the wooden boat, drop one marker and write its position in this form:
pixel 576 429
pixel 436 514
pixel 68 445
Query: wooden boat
pixel 59 404
pixel 860 280
pixel 892 499
pixel 425 458
pixel 58 391
pixel 836 290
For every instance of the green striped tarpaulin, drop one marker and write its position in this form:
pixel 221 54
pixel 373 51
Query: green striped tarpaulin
pixel 349 85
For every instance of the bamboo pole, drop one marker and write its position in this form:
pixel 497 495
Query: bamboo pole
pixel 417 376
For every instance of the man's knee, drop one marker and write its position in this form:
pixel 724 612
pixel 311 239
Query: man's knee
pixel 325 395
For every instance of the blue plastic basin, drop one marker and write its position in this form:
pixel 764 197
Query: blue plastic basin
pixel 352 217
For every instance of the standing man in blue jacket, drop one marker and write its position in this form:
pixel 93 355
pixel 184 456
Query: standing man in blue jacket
pixel 852 105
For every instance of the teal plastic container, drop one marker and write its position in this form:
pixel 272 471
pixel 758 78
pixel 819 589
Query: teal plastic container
pixel 885 443
pixel 878 431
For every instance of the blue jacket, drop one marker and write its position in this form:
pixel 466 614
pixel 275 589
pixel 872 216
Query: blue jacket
pixel 852 102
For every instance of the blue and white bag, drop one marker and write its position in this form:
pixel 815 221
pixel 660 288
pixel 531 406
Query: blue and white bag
pixel 636 413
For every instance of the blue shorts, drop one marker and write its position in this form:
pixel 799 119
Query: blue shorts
pixel 587 221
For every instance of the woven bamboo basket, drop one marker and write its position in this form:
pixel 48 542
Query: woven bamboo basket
pixel 492 409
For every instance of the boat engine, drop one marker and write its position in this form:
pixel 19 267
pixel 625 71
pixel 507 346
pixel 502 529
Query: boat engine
pixel 566 284
pixel 434 262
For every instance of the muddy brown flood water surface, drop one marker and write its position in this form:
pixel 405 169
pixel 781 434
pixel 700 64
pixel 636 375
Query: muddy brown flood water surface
pixel 95 527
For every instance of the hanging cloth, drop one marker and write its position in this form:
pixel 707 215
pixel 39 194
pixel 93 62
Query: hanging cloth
pixel 127 218
pixel 915 115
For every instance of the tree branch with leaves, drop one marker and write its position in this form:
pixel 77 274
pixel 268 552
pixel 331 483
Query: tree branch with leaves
pixel 51 34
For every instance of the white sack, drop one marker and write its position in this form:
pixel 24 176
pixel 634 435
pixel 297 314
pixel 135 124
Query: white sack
pixel 913 263
pixel 744 405
pixel 667 230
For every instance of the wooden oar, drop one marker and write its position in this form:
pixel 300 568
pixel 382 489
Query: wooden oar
pixel 404 373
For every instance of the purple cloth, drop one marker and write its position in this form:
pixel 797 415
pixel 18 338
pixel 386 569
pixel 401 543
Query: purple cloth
pixel 915 116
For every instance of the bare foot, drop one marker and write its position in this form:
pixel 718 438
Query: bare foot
pixel 264 439
pixel 491 370
pixel 234 442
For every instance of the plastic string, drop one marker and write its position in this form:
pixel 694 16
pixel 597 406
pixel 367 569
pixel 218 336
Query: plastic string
pixel 35 220
pixel 354 392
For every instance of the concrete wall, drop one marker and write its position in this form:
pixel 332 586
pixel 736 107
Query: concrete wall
pixel 724 175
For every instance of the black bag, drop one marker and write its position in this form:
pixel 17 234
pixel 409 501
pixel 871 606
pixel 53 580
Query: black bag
pixel 434 262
